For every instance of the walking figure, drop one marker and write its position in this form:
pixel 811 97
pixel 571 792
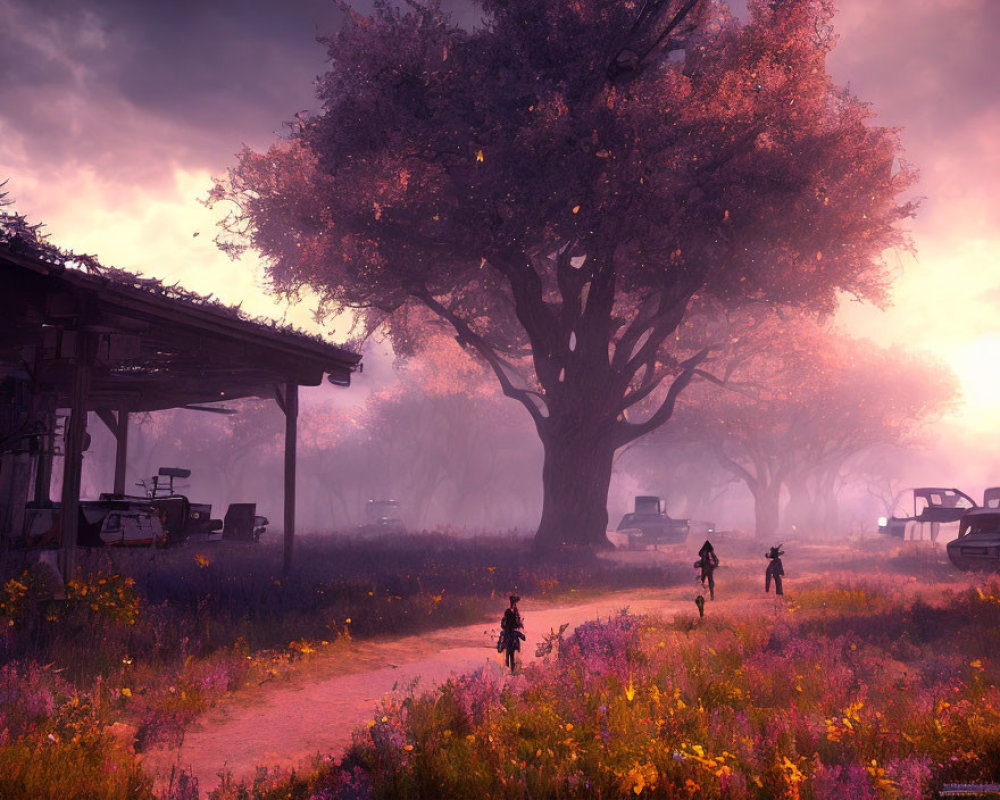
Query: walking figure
pixel 510 633
pixel 707 562
pixel 774 570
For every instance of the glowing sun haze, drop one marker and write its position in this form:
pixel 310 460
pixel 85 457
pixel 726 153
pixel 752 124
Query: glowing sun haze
pixel 927 66
pixel 115 114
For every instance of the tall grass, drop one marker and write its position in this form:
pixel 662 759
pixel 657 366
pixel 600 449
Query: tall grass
pixel 872 695
pixel 141 643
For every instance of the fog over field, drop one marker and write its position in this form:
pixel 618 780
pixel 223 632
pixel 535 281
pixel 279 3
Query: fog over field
pixel 711 281
pixel 115 116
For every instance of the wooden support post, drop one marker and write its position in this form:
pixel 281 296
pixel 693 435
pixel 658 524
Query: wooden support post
pixel 290 406
pixel 76 430
pixel 121 451
pixel 117 423
pixel 43 467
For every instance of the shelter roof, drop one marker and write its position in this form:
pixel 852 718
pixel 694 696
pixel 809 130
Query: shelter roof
pixel 155 346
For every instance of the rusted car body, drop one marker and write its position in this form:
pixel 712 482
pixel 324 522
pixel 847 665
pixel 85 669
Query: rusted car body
pixel 648 524
pixel 935 510
pixel 382 516
pixel 977 545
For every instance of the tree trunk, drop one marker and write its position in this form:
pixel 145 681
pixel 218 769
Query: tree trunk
pixel 766 510
pixel 826 495
pixel 800 511
pixel 576 476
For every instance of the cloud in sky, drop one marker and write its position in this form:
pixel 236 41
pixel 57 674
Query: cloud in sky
pixel 114 114
pixel 87 81
pixel 926 67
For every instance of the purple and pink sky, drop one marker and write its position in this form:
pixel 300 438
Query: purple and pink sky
pixel 114 115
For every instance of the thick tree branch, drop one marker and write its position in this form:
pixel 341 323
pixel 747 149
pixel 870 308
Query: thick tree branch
pixel 533 313
pixel 735 466
pixel 646 354
pixel 570 281
pixel 640 324
pixel 497 364
pixel 671 26
pixel 628 431
pixel 595 321
pixel 629 57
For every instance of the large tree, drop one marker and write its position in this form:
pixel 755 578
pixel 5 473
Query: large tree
pixel 558 183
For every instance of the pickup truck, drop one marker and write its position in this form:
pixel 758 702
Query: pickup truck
pixel 648 524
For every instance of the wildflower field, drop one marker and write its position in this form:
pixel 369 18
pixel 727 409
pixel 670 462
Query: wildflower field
pixel 141 643
pixel 884 687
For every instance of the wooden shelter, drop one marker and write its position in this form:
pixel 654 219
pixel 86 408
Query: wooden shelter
pixel 84 337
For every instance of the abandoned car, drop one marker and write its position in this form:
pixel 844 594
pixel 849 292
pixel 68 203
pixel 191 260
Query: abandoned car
pixel 933 508
pixel 382 516
pixel 978 543
pixel 648 524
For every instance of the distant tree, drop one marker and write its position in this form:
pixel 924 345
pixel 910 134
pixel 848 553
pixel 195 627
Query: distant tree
pixel 685 473
pixel 153 442
pixel 335 462
pixel 874 398
pixel 449 461
pixel 238 450
pixel 803 401
pixel 422 440
pixel 558 184
pixel 880 471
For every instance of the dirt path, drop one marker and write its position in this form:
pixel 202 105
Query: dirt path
pixel 283 724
